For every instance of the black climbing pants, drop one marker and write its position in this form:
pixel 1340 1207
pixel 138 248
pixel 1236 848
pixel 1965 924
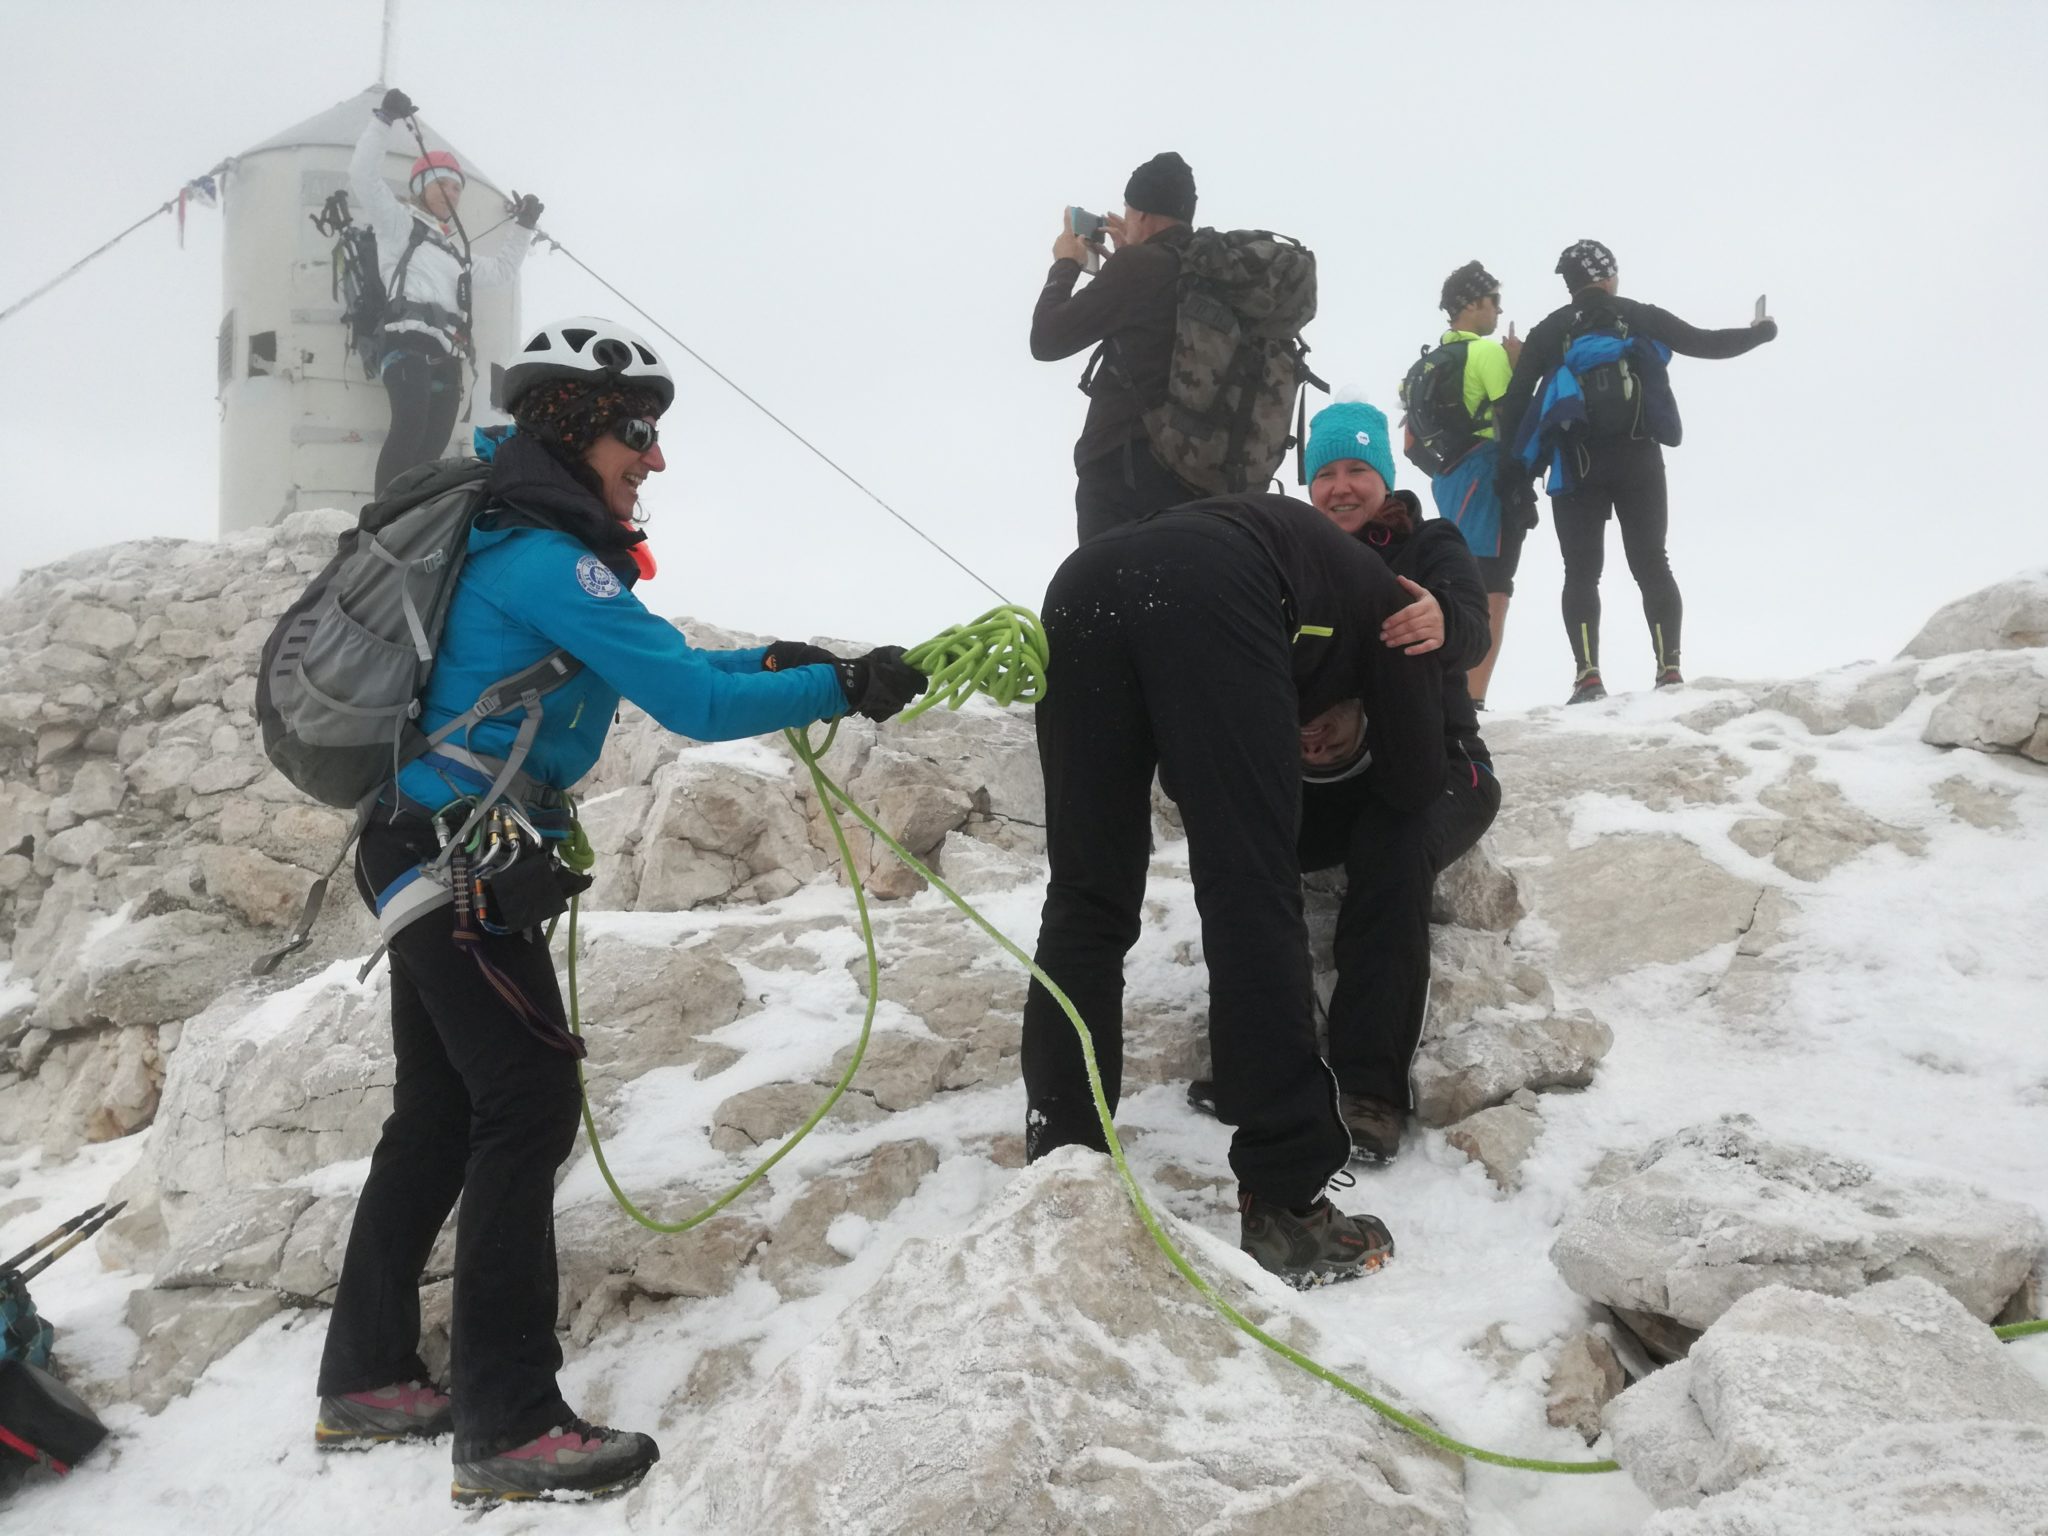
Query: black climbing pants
pixel 1170 647
pixel 1121 487
pixel 425 392
pixel 1626 479
pixel 1391 860
pixel 482 1109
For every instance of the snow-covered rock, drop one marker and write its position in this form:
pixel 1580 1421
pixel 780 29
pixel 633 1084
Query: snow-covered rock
pixel 1046 1369
pixel 1789 1377
pixel 1717 1211
pixel 1998 705
pixel 2010 615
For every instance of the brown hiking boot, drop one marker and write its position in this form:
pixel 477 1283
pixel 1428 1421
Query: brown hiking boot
pixel 1319 1246
pixel 1375 1127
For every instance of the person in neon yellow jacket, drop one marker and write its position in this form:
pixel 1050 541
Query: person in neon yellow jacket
pixel 1466 493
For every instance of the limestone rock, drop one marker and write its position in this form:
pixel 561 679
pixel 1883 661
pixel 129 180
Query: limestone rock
pixel 900 1071
pixel 1060 1396
pixel 1817 828
pixel 1988 806
pixel 1596 899
pixel 1477 891
pixel 182 1333
pixel 1584 1379
pixel 151 970
pixel 236 1238
pixel 703 1262
pixel 1486 1059
pixel 262 890
pixel 645 1006
pixel 309 1265
pixel 2010 615
pixel 1998 705
pixel 1787 1377
pixel 800 1241
pixel 1500 1139
pixel 1717 1211
pixel 761 1115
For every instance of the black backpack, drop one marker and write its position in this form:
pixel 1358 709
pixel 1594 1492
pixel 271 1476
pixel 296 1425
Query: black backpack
pixel 1440 431
pixel 358 282
pixel 1613 391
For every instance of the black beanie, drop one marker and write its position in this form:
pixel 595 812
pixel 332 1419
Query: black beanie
pixel 1163 185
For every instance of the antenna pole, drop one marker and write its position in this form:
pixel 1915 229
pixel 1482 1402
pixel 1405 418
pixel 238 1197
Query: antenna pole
pixel 384 58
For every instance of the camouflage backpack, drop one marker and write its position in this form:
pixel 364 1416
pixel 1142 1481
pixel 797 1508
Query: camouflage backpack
pixel 1238 360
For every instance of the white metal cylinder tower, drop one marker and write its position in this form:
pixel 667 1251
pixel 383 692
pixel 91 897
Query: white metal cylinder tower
pixel 301 425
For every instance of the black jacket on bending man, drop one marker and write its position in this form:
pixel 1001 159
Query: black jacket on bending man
pixel 1197 642
pixel 1127 313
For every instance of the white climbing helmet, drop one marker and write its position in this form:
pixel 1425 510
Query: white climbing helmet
pixel 585 347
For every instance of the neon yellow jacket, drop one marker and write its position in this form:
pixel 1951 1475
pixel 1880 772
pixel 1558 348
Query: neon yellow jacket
pixel 1487 372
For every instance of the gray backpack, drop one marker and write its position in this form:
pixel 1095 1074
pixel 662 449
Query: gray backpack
pixel 338 689
pixel 1238 359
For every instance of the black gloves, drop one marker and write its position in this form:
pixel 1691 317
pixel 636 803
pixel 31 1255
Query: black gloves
pixel 784 654
pixel 880 683
pixel 396 104
pixel 1518 499
pixel 526 210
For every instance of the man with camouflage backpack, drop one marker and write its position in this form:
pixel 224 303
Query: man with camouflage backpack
pixel 1198 356
pixel 1449 394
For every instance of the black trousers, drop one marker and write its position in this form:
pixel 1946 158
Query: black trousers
pixel 425 392
pixel 1627 480
pixel 1120 487
pixel 1391 860
pixel 481 1108
pixel 1171 650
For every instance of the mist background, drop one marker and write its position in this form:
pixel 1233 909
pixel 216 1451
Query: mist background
pixel 850 208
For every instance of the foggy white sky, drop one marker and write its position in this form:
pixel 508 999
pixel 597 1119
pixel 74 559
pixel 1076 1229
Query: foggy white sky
pixel 850 208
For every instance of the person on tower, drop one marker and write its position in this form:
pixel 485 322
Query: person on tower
pixel 429 270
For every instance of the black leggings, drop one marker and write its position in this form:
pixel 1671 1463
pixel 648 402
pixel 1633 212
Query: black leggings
pixel 1391 860
pixel 482 1109
pixel 1626 479
pixel 425 392
pixel 1171 648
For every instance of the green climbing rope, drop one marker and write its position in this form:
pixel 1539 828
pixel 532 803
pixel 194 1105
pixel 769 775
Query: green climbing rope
pixel 1003 654
pixel 860 1048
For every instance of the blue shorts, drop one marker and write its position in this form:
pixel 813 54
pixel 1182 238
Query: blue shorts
pixel 1466 496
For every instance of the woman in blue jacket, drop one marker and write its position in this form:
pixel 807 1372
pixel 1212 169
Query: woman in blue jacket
pixel 486 1100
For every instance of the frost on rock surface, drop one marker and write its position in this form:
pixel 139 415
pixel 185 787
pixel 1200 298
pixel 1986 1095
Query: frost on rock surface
pixel 1788 1380
pixel 1718 1211
pixel 1046 1369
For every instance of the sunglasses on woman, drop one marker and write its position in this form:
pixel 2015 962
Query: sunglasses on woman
pixel 637 433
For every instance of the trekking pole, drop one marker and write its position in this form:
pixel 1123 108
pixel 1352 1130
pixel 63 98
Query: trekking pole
pixel 71 1242
pixel 41 1243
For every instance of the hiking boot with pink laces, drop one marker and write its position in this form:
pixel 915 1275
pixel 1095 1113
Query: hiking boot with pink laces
pixel 406 1410
pixel 576 1459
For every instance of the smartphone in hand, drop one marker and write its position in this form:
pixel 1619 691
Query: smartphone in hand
pixel 1762 313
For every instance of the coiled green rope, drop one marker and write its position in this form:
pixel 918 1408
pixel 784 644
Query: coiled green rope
pixel 1001 654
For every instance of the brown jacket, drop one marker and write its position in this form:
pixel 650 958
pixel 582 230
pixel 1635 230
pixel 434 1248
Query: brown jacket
pixel 1130 305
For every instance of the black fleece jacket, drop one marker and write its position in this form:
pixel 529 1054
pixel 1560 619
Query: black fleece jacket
pixel 1336 594
pixel 1131 305
pixel 1435 556
pixel 1543 348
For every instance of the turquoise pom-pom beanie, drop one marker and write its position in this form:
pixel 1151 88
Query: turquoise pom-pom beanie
pixel 1350 429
